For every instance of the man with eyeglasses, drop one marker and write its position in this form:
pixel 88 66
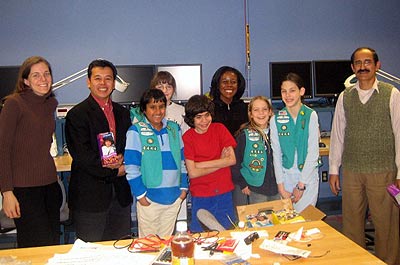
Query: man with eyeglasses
pixel 365 141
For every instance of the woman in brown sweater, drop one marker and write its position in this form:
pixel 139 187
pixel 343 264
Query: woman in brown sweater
pixel 28 178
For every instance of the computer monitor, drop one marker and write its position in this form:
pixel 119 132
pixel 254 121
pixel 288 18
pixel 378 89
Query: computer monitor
pixel 138 77
pixel 329 77
pixel 188 79
pixel 8 79
pixel 278 70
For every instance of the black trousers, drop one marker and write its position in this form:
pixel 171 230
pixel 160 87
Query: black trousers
pixel 111 224
pixel 39 224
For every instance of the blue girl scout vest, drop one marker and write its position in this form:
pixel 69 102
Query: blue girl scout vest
pixel 254 162
pixel 293 137
pixel 151 167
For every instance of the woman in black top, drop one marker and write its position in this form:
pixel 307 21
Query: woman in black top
pixel 227 87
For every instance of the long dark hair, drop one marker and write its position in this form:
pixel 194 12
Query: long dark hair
pixel 295 78
pixel 25 70
pixel 214 89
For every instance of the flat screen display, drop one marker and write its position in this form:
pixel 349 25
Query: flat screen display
pixel 329 77
pixel 8 79
pixel 278 70
pixel 138 77
pixel 188 79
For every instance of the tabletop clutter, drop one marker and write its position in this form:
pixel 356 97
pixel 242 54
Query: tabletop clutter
pixel 235 246
pixel 226 247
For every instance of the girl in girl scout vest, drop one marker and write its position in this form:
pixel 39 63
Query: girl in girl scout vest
pixel 253 174
pixel 155 167
pixel 294 138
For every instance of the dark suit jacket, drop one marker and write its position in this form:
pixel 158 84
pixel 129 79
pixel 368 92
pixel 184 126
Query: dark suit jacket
pixel 91 185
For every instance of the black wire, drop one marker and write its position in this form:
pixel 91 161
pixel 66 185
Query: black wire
pixel 320 256
pixel 198 238
pixel 123 238
pixel 295 257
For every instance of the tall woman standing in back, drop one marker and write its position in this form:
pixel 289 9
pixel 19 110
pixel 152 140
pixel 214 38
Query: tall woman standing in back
pixel 227 88
pixel 28 178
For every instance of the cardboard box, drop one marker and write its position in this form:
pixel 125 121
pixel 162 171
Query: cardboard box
pixel 309 214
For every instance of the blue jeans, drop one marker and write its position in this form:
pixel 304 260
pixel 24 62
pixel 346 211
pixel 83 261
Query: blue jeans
pixel 221 206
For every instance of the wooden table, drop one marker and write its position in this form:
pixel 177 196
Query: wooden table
pixel 63 163
pixel 341 249
pixel 324 151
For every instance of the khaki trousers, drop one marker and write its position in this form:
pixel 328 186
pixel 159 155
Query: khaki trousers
pixel 368 191
pixel 157 218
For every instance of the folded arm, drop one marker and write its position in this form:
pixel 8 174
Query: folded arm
pixel 198 169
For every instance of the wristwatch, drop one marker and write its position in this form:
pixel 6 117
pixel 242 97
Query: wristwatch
pixel 300 189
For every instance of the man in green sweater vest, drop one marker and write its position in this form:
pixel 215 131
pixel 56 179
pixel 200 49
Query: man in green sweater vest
pixel 365 128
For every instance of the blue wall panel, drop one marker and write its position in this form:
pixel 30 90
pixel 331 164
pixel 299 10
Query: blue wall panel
pixel 72 33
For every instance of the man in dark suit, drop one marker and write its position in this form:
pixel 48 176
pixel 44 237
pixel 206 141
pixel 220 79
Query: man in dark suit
pixel 99 196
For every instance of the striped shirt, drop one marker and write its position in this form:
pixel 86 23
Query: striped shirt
pixel 172 180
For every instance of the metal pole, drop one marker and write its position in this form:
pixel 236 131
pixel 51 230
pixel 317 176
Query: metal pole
pixel 247 38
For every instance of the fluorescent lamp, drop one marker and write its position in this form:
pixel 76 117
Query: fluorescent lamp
pixel 351 80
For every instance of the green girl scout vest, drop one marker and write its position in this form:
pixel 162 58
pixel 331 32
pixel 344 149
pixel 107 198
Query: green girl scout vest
pixel 151 167
pixel 293 137
pixel 136 115
pixel 254 162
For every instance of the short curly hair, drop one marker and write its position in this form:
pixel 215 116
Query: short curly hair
pixel 197 104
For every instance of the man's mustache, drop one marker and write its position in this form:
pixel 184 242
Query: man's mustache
pixel 362 71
